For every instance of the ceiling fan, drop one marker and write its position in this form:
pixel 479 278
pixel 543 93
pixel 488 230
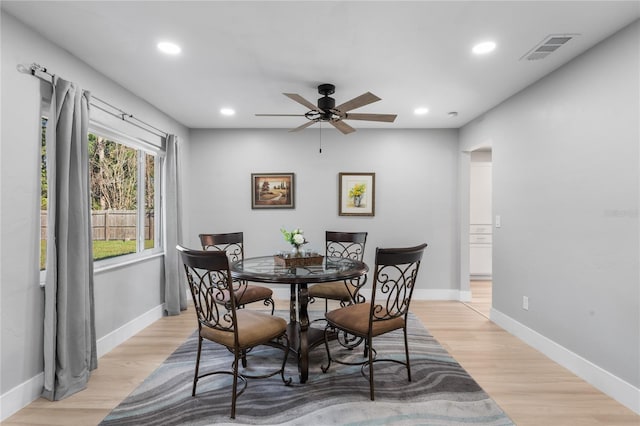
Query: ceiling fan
pixel 326 110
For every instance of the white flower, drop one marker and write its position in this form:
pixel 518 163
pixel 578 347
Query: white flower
pixel 298 239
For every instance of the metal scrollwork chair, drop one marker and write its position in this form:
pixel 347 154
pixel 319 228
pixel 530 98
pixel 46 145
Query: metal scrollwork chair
pixel 219 321
pixel 233 244
pixel 395 276
pixel 346 245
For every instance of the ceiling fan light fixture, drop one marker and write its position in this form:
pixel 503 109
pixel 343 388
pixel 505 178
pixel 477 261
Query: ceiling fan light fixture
pixel 169 48
pixel 484 47
pixel 421 111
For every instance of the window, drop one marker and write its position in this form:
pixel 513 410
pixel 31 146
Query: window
pixel 125 194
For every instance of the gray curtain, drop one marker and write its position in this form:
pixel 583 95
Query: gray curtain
pixel 175 291
pixel 69 320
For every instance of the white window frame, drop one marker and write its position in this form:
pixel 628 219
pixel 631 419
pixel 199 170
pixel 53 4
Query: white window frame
pixel 143 147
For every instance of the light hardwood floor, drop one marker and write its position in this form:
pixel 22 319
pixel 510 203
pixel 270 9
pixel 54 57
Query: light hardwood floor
pixel 529 387
pixel 481 297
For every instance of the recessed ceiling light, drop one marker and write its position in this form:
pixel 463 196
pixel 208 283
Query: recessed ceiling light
pixel 227 111
pixel 421 111
pixel 453 114
pixel 484 47
pixel 169 48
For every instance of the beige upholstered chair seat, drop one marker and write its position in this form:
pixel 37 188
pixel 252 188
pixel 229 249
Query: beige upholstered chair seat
pixel 253 328
pixel 354 319
pixel 336 290
pixel 341 245
pixel 233 244
pixel 249 294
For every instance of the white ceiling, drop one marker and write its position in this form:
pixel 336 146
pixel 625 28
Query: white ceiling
pixel 245 54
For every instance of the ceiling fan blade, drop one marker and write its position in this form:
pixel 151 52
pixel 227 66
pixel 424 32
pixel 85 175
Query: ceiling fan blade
pixel 362 100
pixel 342 126
pixel 299 99
pixel 304 126
pixel 279 115
pixel 387 118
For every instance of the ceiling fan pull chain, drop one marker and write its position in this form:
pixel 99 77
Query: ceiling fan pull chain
pixel 320 138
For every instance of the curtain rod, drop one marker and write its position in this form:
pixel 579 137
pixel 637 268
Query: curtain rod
pixel 34 68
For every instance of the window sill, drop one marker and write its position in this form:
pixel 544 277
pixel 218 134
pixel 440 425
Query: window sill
pixel 115 263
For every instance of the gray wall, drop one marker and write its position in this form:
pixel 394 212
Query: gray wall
pixel 122 294
pixel 566 184
pixel 415 199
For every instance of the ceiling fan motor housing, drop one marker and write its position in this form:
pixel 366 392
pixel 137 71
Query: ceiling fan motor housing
pixel 326 103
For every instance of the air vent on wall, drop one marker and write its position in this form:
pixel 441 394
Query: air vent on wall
pixel 547 46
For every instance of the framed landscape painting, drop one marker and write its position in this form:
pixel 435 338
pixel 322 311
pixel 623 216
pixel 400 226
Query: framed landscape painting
pixel 272 191
pixel 357 194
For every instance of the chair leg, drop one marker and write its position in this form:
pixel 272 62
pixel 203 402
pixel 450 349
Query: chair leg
pixel 236 355
pixel 326 345
pixel 284 361
pixel 195 375
pixel 406 351
pixel 244 358
pixel 371 387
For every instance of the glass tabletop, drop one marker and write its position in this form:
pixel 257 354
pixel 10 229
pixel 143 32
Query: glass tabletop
pixel 265 269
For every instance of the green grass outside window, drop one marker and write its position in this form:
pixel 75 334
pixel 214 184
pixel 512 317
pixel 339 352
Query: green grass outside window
pixel 103 249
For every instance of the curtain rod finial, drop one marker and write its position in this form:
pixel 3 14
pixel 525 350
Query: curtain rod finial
pixel 24 69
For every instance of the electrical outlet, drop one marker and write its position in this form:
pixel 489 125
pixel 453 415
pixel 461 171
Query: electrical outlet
pixel 525 303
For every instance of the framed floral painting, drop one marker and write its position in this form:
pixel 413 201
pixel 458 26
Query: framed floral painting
pixel 357 194
pixel 272 191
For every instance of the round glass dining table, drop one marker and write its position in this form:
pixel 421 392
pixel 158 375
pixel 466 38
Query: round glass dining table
pixel 265 269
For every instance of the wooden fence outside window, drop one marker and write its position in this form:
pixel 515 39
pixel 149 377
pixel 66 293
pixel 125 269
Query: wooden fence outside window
pixel 108 225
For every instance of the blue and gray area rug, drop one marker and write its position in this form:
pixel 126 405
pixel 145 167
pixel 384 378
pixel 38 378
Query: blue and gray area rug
pixel 441 391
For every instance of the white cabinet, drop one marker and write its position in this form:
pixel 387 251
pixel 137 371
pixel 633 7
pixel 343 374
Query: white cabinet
pixel 480 193
pixel 480 262
pixel 480 215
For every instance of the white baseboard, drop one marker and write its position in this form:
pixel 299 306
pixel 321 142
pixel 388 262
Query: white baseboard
pixel 439 294
pixel 618 389
pixel 106 343
pixel 465 296
pixel 283 293
pixel 480 277
pixel 19 397
pixel 25 393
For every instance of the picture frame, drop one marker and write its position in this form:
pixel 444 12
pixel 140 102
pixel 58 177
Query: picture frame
pixel 356 194
pixel 272 191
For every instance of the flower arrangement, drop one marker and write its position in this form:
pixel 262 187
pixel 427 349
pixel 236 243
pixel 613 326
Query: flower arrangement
pixel 357 190
pixel 295 238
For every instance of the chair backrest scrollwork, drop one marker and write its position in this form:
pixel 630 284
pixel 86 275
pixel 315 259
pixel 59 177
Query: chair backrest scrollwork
pixel 232 243
pixel 209 278
pixel 345 244
pixel 394 281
